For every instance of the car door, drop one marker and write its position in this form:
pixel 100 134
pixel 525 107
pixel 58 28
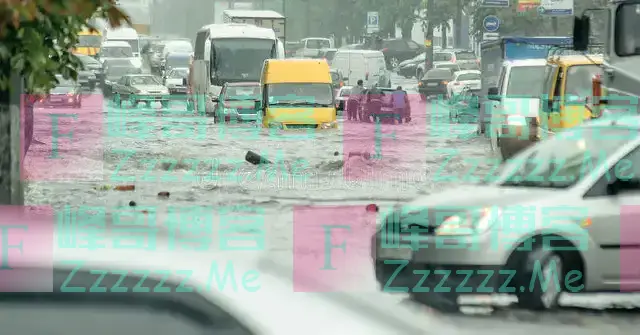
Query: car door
pixel 614 226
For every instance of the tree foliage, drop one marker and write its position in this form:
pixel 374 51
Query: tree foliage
pixel 38 36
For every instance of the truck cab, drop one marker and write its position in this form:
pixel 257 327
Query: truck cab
pixel 617 88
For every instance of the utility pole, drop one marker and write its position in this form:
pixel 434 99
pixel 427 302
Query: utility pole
pixel 428 37
pixel 457 32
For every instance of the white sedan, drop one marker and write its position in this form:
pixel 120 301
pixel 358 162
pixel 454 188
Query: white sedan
pixel 470 78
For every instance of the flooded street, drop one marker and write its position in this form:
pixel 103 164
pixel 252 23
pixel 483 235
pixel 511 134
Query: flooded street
pixel 203 164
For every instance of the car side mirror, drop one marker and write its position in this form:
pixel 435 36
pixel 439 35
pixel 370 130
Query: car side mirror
pixel 493 94
pixel 258 105
pixel 581 28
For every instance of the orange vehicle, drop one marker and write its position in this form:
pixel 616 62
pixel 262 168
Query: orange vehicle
pixel 89 42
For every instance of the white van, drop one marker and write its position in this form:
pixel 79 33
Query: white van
pixel 515 104
pixel 311 46
pixel 128 35
pixel 368 65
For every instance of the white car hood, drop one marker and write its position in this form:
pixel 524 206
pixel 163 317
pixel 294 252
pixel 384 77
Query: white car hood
pixel 528 107
pixel 150 87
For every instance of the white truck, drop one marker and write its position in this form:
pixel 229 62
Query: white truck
pixel 261 18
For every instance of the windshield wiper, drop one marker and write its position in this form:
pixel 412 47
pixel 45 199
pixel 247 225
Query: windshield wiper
pixel 533 183
pixel 300 103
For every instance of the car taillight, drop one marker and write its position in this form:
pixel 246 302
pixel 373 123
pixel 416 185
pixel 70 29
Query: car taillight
pixel 445 82
pixel 385 49
pixel 69 94
pixel 453 59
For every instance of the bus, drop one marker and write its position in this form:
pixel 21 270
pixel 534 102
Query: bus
pixel 88 42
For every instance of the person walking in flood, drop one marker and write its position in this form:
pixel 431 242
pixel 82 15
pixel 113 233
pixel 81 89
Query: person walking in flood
pixel 400 102
pixel 355 98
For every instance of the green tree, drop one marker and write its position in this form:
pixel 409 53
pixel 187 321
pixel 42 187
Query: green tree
pixel 38 36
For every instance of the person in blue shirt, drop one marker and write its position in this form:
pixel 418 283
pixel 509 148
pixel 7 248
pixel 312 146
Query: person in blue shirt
pixel 400 101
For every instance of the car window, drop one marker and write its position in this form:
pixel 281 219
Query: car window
pixel 442 57
pixel 566 158
pixel 526 81
pixel 397 45
pixel 468 76
pixel 549 75
pixel 500 83
pixel 452 67
pixel 178 73
pixel 413 45
pixel 625 169
pixel 469 66
pixel 578 82
pixel 438 74
pixel 64 82
pixel 122 81
pixel 318 44
pixel 465 55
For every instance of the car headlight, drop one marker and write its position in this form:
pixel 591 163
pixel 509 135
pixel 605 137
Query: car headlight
pixel 469 224
pixel 516 120
pixel 276 125
pixel 328 125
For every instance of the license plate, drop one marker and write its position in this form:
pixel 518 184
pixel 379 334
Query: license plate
pixel 395 253
pixel 432 84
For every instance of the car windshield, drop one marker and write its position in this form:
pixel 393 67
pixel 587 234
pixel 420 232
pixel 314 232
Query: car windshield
pixel 579 80
pixel 178 73
pixel 87 60
pixel 469 66
pixel 438 74
pixel 468 76
pixel 116 52
pixel 526 81
pixel 145 80
pixel 442 57
pixel 134 44
pixel 93 41
pixel 243 92
pixel 300 94
pixel 564 159
pixel 64 82
pixel 465 55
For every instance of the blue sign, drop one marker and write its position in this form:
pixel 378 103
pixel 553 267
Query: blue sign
pixel 491 23
pixel 495 3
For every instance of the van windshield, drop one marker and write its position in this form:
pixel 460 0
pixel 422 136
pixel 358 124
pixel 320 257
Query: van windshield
pixel 116 52
pixel 303 94
pixel 92 41
pixel 526 81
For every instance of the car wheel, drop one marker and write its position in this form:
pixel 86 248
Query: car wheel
pixel 542 294
pixel 394 62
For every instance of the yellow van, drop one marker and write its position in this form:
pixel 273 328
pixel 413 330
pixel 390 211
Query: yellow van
pixel 89 42
pixel 296 94
pixel 568 85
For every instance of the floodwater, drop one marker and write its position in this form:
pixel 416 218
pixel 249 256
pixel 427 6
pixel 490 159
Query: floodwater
pixel 202 164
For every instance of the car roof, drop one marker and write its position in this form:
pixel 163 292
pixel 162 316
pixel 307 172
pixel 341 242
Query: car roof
pixel 467 72
pixel 322 311
pixel 526 62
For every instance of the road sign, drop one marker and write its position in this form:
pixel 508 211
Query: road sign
pixel 490 36
pixel 495 3
pixel 556 7
pixel 491 23
pixel 373 22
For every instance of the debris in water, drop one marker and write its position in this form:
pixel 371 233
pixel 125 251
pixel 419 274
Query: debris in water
pixel 132 203
pixel 163 194
pixel 255 158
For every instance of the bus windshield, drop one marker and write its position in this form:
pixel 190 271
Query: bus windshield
pixel 92 41
pixel 240 58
